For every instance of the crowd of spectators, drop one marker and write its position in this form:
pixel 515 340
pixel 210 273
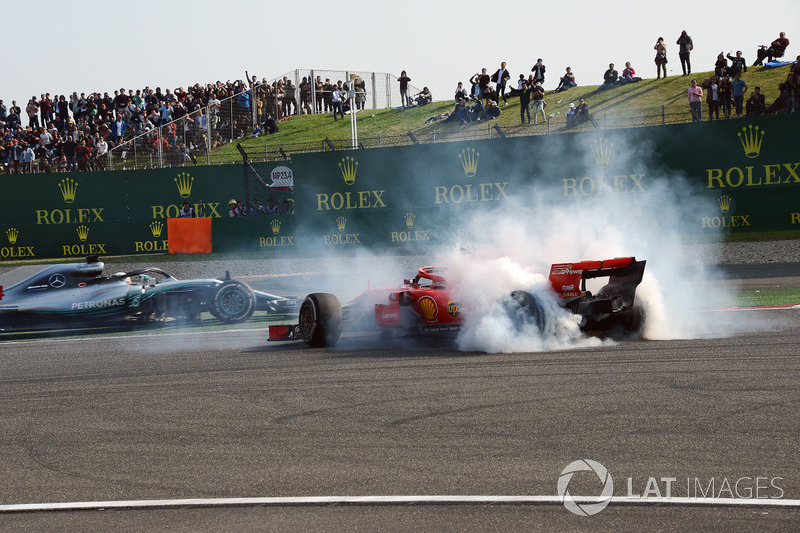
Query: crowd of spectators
pixel 60 133
pixel 77 132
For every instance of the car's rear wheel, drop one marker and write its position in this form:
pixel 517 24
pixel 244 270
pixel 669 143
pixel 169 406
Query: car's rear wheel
pixel 233 302
pixel 321 320
pixel 524 309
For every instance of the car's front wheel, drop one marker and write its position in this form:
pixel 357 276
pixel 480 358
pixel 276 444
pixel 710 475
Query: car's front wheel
pixel 232 302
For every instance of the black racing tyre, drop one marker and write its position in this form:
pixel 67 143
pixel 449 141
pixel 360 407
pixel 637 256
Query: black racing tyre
pixel 635 321
pixel 232 302
pixel 524 309
pixel 321 320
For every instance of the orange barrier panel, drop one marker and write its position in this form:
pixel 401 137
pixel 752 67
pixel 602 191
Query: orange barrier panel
pixel 189 235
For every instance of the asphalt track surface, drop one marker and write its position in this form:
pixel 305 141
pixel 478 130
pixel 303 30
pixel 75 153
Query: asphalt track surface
pixel 227 414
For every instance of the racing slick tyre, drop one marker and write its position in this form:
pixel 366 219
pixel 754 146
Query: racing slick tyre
pixel 232 302
pixel 635 321
pixel 524 309
pixel 321 320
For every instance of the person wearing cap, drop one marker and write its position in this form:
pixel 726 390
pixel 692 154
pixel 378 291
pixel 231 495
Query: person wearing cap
pixel 233 209
pixel 571 115
pixel 187 211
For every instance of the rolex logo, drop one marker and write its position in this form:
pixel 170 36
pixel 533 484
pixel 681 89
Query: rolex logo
pixel 275 224
pixel 341 222
pixel 409 218
pixel 12 235
pixel 601 150
pixel 469 161
pixel 83 233
pixel 348 168
pixel 751 140
pixel 724 202
pixel 184 182
pixel 156 228
pixel 68 188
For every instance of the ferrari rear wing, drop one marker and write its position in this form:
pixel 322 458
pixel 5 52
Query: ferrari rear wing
pixel 569 279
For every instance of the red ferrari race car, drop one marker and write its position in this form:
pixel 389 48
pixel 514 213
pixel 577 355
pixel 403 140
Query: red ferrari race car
pixel 427 305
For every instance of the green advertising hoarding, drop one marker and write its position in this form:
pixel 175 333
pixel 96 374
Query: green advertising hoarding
pixel 746 170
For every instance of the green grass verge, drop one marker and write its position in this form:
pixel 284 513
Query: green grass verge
pixel 618 107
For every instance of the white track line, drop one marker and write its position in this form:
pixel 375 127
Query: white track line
pixel 390 500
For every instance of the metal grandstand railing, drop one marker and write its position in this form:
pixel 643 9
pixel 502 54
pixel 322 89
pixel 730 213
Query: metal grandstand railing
pixel 192 138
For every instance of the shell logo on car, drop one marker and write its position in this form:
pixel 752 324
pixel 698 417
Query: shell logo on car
pixel 428 307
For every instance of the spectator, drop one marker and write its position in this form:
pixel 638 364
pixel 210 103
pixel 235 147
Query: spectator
pixel 289 99
pixel 685 47
pixel 610 78
pixel 476 110
pixel 582 111
pixel 524 101
pixel 775 50
pixel 270 126
pixel 187 211
pixel 571 116
pixel 721 66
pixel 738 87
pixel 566 81
pixel 521 83
pixel 500 77
pixel 661 58
pixel 286 207
pixel 423 97
pixel 461 92
pixel 756 104
pixel 318 93
pixel 327 92
pixel 28 157
pixel 272 208
pixel 629 75
pixel 483 82
pixel 405 100
pixel 489 94
pixel 256 208
pixel 492 109
pixel 336 101
pixel 538 71
pixel 738 64
pixel 3 111
pixel 32 109
pixel 537 97
pixel 696 101
pixel 712 97
pixel 725 95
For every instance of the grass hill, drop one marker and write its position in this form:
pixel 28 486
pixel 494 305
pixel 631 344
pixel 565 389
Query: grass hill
pixel 648 102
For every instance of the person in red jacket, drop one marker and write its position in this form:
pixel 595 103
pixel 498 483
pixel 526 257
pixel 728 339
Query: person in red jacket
pixel 775 50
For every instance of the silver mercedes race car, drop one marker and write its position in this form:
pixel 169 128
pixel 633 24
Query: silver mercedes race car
pixel 80 294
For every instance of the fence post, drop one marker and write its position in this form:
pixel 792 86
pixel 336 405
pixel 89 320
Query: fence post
pixel 208 134
pixel 605 126
pixel 313 83
pixel 160 150
pixel 374 94
pixel 388 91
